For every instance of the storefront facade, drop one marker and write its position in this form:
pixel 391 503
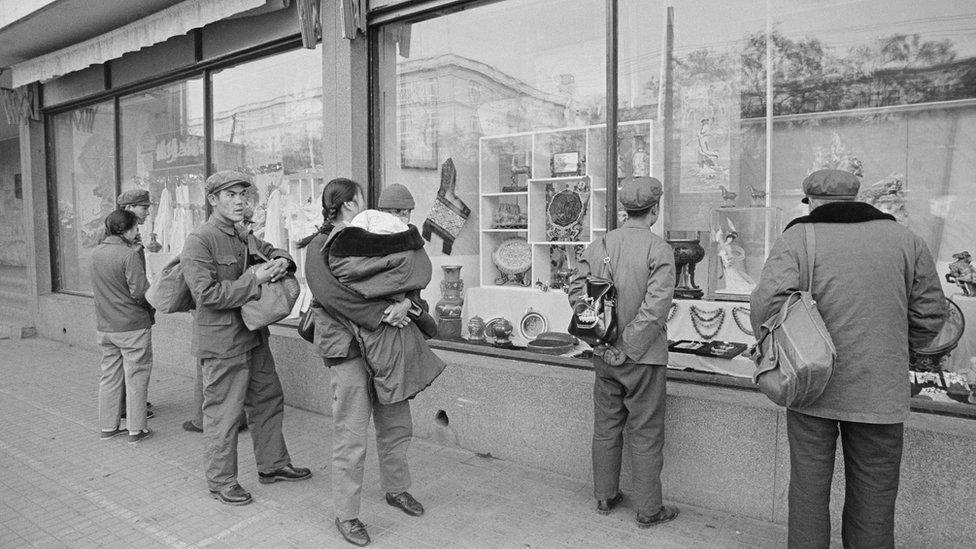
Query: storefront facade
pixel 495 115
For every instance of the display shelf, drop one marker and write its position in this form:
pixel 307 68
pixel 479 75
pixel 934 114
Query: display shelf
pixel 571 161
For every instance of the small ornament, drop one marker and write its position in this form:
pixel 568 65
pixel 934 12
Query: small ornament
pixel 962 272
pixel 447 311
pixel 476 329
pixel 758 197
pixel 728 196
pixel 154 245
pixel 501 330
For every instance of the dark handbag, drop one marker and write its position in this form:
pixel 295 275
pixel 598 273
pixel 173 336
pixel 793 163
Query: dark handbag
pixel 306 324
pixel 594 319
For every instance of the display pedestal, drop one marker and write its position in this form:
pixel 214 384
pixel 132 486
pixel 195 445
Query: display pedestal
pixel 682 326
pixel 961 358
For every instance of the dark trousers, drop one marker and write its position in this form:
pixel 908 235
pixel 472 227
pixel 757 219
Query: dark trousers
pixel 244 382
pixel 632 396
pixel 872 459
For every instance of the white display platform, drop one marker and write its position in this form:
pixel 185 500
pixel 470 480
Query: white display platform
pixel 681 327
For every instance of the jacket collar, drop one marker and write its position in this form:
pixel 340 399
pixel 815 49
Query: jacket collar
pixel 842 212
pixel 115 240
pixel 225 227
pixel 631 224
pixel 358 242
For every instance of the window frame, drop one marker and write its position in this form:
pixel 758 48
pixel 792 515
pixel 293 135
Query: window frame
pixel 201 69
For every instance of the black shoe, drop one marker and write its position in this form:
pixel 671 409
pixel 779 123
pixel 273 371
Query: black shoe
pixel 149 414
pixel 149 405
pixel 354 531
pixel 232 495
pixel 241 427
pixel 666 514
pixel 285 473
pixel 140 436
pixel 406 503
pixel 188 425
pixel 605 506
pixel 105 435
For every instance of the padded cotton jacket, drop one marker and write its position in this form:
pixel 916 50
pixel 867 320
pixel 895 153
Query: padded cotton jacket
pixel 876 287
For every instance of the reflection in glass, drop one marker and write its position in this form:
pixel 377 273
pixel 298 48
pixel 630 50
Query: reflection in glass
pixel 83 150
pixel 477 111
pixel 268 124
pixel 162 151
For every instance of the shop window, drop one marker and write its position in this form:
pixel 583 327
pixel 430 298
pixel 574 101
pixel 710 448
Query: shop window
pixel 83 168
pixel 484 115
pixel 162 151
pixel 731 104
pixel 267 122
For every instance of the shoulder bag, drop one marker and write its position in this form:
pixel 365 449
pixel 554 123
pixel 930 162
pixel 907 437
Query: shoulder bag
pixel 169 292
pixel 594 319
pixel 276 302
pixel 795 354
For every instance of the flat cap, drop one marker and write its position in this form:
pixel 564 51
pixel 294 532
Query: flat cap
pixel 831 184
pixel 638 193
pixel 395 197
pixel 134 197
pixel 224 179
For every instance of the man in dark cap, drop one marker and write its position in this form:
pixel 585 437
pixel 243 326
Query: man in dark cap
pixel 879 295
pixel 138 202
pixel 629 389
pixel 236 363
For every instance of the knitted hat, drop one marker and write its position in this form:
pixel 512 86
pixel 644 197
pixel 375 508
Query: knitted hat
pixel 395 197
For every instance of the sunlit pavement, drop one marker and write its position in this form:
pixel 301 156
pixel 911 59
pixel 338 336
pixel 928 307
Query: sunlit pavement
pixel 63 487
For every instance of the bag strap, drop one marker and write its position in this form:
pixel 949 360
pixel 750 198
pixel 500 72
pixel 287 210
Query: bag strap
pixel 811 252
pixel 606 258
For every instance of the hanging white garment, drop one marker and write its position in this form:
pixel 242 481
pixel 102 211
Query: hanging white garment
pixel 164 219
pixel 273 233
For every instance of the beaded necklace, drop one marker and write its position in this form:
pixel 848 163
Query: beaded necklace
pixel 710 321
pixel 737 312
pixel 671 311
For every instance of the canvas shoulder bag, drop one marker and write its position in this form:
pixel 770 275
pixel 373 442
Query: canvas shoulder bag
pixel 594 319
pixel 795 354
pixel 169 292
pixel 276 302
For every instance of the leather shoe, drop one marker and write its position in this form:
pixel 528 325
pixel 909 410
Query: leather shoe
pixel 354 531
pixel 232 495
pixel 189 426
pixel 605 506
pixel 287 472
pixel 406 503
pixel 666 514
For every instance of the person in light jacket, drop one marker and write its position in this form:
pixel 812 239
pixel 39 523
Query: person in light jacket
pixel 124 324
pixel 629 389
pixel 877 290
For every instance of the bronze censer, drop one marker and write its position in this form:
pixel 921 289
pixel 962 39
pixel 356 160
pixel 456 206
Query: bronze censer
pixel 688 252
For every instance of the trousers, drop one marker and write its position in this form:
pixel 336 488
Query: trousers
pixel 197 420
pixel 353 402
pixel 630 396
pixel 231 385
pixel 872 461
pixel 126 363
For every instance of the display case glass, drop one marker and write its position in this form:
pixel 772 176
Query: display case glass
pixel 739 240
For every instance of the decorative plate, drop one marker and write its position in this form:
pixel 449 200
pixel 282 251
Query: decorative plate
pixel 513 256
pixel 532 325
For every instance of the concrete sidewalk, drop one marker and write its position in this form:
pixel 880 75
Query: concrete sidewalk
pixel 63 487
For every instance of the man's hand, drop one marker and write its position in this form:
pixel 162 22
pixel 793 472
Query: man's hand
pixel 280 266
pixel 265 272
pixel 396 314
pixel 610 354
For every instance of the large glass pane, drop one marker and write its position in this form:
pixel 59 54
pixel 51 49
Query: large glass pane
pixel 163 152
pixel 83 150
pixel 886 90
pixel 268 123
pixel 13 243
pixel 488 116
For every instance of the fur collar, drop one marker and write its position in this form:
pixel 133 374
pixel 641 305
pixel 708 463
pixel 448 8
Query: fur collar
pixel 357 242
pixel 842 212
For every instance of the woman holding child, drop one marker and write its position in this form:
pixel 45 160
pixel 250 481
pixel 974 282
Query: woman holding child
pixel 365 269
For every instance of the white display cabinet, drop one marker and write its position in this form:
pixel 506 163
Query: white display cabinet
pixel 547 189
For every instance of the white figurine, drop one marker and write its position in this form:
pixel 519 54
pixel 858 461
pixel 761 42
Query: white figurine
pixel 733 259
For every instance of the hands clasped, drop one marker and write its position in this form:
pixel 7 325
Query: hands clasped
pixel 610 354
pixel 396 314
pixel 271 271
